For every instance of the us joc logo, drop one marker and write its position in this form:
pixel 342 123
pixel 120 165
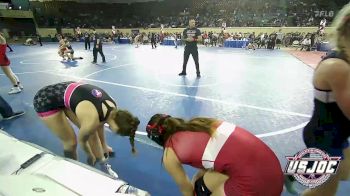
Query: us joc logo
pixel 96 93
pixel 312 167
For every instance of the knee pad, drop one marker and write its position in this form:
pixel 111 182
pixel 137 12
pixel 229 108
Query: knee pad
pixel 200 188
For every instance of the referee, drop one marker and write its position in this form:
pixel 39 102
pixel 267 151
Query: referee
pixel 191 35
pixel 87 40
pixel 98 49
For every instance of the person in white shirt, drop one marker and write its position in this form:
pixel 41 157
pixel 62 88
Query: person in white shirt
pixel 138 40
pixel 279 39
pixel 175 40
pixel 306 44
pixel 322 26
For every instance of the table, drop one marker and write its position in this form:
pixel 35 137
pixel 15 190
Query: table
pixel 170 42
pixel 324 46
pixel 124 41
pixel 235 44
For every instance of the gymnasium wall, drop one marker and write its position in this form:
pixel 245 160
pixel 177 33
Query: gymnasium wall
pixel 52 31
pixel 16 14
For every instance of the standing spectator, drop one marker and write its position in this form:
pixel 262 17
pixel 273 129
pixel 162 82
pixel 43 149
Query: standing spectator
pixel 322 26
pixel 313 38
pixel 221 39
pixel 5 66
pixel 87 40
pixel 175 41
pixel 279 39
pixel 94 35
pixel 273 40
pixel 214 39
pixel 39 39
pixel 138 40
pixel 153 41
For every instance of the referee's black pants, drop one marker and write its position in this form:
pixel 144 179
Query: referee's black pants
pixel 87 43
pixel 194 52
pixel 98 50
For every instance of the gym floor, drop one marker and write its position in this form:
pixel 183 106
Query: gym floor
pixel 267 92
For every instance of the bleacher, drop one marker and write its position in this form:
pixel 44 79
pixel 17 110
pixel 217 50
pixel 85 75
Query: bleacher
pixel 209 13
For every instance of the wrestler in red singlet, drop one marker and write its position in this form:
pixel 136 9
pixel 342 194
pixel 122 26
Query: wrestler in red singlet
pixel 252 167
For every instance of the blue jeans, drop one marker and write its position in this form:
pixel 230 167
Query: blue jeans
pixel 5 108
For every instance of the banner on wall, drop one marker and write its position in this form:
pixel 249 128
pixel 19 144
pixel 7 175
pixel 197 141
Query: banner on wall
pixel 326 14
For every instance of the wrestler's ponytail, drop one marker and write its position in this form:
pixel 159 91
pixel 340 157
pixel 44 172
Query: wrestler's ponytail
pixel 163 126
pixel 173 125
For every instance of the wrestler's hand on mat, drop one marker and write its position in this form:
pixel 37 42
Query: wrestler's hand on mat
pixel 91 160
pixel 108 152
pixel 197 175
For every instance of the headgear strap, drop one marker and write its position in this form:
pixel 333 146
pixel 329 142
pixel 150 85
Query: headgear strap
pixel 156 131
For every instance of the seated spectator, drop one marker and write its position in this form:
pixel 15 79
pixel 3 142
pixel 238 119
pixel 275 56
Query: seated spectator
pixel 251 46
pixel 29 42
pixel 306 43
